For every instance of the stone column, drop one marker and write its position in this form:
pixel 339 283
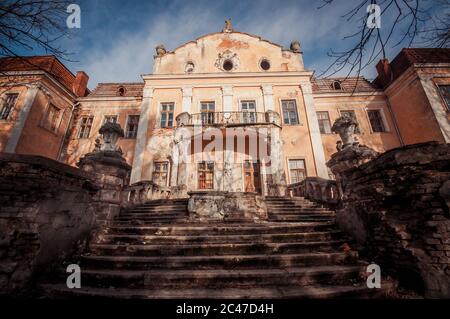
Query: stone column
pixel 268 98
pixel 186 105
pixel 21 119
pixel 277 162
pixel 314 131
pixel 141 137
pixel 227 95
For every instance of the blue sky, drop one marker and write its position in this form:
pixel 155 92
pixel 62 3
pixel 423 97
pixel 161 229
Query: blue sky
pixel 117 38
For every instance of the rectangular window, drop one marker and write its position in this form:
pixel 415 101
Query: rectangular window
pixel 376 121
pixel 132 126
pixel 110 119
pixel 207 111
pixel 85 126
pixel 248 109
pixel 206 175
pixel 167 110
pixel 290 115
pixel 52 118
pixel 297 170
pixel 352 114
pixel 8 105
pixel 445 92
pixel 160 173
pixel 324 122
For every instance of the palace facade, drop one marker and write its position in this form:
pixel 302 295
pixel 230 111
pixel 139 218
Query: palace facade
pixel 227 86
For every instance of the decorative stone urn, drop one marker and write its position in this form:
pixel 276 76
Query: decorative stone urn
pixel 111 133
pixel 295 46
pixel 345 126
pixel 183 119
pixel 273 117
pixel 160 50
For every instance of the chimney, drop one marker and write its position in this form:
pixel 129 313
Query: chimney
pixel 384 72
pixel 80 84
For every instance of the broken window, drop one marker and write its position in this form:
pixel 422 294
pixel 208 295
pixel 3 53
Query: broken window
pixel 85 126
pixel 376 121
pixel 8 106
pixel 132 126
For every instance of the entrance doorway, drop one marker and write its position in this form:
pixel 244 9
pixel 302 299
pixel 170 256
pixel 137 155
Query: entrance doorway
pixel 252 176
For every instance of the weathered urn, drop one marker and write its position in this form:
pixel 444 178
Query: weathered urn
pixel 160 50
pixel 345 126
pixel 295 46
pixel 111 133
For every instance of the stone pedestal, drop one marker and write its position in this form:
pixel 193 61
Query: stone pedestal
pixel 111 173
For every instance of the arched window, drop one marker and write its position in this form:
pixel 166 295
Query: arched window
pixel 121 91
pixel 336 85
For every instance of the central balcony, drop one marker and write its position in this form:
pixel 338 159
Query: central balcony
pixel 228 118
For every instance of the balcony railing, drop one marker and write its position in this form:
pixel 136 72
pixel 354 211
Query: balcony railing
pixel 228 118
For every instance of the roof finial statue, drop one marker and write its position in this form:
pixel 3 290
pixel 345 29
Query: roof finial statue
pixel 228 26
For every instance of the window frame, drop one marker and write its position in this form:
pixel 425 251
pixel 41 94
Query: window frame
pixel 167 112
pixel 11 108
pixel 443 97
pixel 246 114
pixel 283 112
pixel 110 115
pixel 167 172
pixel 138 116
pixel 205 171
pixel 80 124
pixel 44 120
pixel 208 114
pixel 328 119
pixel 382 119
pixel 305 172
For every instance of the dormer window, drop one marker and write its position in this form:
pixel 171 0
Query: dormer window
pixel 336 85
pixel 121 91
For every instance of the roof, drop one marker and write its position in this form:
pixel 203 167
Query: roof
pixel 227 33
pixel 112 89
pixel 47 63
pixel 348 85
pixel 410 56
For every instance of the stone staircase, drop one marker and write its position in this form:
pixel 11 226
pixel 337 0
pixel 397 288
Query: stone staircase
pixel 152 251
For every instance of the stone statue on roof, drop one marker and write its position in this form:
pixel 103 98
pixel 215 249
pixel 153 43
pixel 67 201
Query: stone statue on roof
pixel 228 26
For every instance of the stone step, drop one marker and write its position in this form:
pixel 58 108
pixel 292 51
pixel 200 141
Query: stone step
pixel 221 261
pixel 162 207
pixel 153 211
pixel 302 213
pixel 219 229
pixel 222 278
pixel 300 218
pixel 249 238
pixel 153 215
pixel 155 218
pixel 308 292
pixel 220 248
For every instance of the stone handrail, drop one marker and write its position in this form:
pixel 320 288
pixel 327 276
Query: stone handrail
pixel 316 189
pixel 229 118
pixel 145 191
